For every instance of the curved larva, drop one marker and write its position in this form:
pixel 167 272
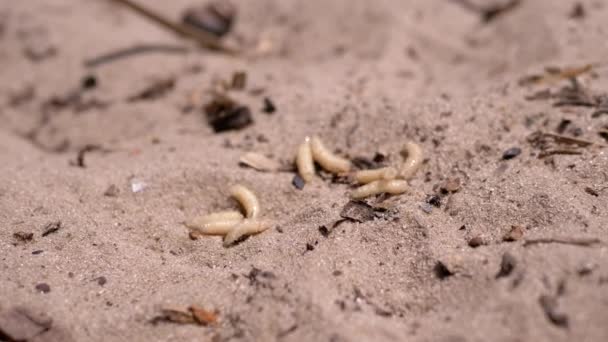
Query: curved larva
pixel 220 223
pixel 304 161
pixel 327 159
pixel 368 176
pixel 412 162
pixel 247 199
pixel 392 186
pixel 246 227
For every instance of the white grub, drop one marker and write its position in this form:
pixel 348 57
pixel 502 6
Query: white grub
pixel 327 159
pixel 248 200
pixel 259 162
pixel 220 223
pixel 368 176
pixel 304 161
pixel 392 186
pixel 246 227
pixel 414 155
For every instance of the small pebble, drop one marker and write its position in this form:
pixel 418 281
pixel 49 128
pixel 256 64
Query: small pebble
pixel 37 252
pixel 298 182
pixel 511 153
pixel 515 234
pixel 476 242
pixel 89 82
pixel 101 280
pixel 269 106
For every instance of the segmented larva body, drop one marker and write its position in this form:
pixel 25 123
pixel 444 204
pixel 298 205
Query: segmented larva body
pixel 304 161
pixel 247 199
pixel 245 227
pixel 219 223
pixel 327 159
pixel 391 186
pixel 368 176
pixel 412 162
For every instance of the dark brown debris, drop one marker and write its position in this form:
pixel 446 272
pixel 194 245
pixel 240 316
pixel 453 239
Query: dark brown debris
pixel 442 271
pixel 490 11
pixel 239 80
pixel 358 211
pixel 476 241
pixel 515 234
pixel 101 281
pixel 224 114
pixel 82 152
pixel 591 191
pixel 112 191
pixel 133 51
pixel 43 287
pixel 157 89
pixel 507 265
pixel 259 278
pixel 51 227
pixel 550 306
pixel 23 237
pixel 578 11
pixel 269 106
pixel 450 185
pixel 215 18
pixel 326 229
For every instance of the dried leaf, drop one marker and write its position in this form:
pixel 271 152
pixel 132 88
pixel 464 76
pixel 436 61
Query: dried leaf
pixel 202 316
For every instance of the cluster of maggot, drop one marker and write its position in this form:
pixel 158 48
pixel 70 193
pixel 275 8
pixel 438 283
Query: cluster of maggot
pixel 390 180
pixel 232 224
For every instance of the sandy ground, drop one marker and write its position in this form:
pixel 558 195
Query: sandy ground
pixel 364 75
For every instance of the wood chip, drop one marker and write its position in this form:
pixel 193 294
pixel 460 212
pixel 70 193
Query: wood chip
pixel 51 228
pixel 202 316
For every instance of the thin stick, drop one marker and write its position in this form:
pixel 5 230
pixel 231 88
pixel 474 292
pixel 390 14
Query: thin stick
pixel 133 50
pixel 566 241
pixel 203 38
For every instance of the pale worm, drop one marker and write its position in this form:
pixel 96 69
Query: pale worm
pixel 304 161
pixel 327 159
pixel 412 162
pixel 368 176
pixel 215 224
pixel 246 227
pixel 247 199
pixel 392 186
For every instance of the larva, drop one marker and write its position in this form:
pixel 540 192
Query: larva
pixel 392 186
pixel 412 162
pixel 304 161
pixel 246 227
pixel 247 199
pixel 368 176
pixel 327 159
pixel 219 223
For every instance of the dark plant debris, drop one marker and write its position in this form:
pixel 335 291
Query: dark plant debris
pixel 133 51
pixel 507 265
pixel 550 306
pixel 43 287
pixel 51 228
pixel 155 90
pixel 224 114
pixel 82 152
pixel 578 11
pixel 23 237
pixel 269 106
pixel 442 271
pixel 191 315
pixel 358 211
pixel 490 11
pixel 239 80
pixel 215 18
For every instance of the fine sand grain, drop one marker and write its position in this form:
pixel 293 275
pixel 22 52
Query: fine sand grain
pixel 96 184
